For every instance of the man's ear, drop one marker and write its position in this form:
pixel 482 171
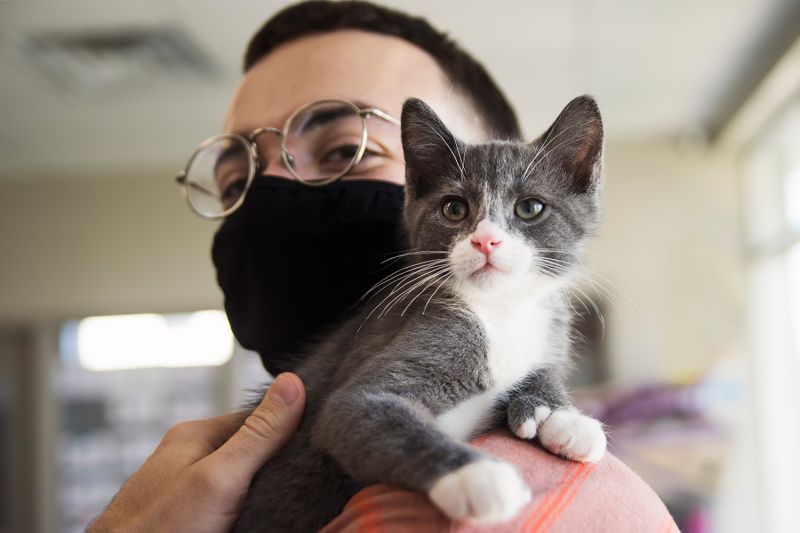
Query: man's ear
pixel 431 150
pixel 575 143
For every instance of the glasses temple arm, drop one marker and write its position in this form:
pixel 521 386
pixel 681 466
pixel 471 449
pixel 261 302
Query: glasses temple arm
pixel 181 179
pixel 380 114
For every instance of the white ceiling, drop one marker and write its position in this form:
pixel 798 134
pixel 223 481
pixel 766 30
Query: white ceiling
pixel 657 67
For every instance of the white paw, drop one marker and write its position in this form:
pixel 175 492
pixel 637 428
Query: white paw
pixel 485 491
pixel 573 435
pixel 529 428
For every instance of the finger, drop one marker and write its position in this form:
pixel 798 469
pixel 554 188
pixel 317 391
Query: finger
pixel 196 439
pixel 219 429
pixel 266 429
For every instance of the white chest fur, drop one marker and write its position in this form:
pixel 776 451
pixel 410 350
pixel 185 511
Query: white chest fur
pixel 517 336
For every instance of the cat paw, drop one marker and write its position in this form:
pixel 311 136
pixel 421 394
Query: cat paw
pixel 573 435
pixel 485 491
pixel 528 428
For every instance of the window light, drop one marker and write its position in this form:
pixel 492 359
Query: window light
pixel 794 294
pixel 792 196
pixel 202 338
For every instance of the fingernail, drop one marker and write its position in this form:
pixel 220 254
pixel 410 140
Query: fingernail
pixel 285 388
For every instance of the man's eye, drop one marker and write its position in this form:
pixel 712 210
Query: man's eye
pixel 232 192
pixel 344 153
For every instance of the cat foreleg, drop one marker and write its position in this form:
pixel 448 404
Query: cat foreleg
pixel 541 409
pixel 380 437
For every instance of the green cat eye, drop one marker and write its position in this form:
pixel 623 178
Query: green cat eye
pixel 455 210
pixel 528 208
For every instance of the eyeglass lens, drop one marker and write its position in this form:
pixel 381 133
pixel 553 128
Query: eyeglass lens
pixel 217 175
pixel 322 142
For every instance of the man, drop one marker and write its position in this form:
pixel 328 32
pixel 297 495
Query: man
pixel 291 257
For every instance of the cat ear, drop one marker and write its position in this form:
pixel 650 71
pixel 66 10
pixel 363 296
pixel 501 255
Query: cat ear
pixel 575 143
pixel 430 148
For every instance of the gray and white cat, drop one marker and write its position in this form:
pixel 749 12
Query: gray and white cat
pixel 473 332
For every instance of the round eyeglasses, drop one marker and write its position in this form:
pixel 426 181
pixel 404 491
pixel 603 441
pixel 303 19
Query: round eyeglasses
pixel 320 143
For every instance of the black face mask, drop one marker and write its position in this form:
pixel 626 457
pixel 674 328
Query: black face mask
pixel 294 259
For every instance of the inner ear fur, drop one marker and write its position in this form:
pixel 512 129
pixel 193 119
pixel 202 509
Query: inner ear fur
pixel 575 142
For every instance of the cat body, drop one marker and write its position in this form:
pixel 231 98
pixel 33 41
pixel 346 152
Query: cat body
pixel 473 332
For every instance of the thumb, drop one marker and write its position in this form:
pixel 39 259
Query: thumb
pixel 267 429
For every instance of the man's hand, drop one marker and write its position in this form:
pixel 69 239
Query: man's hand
pixel 197 478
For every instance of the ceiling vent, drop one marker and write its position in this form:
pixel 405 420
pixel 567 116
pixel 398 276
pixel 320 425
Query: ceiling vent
pixel 110 60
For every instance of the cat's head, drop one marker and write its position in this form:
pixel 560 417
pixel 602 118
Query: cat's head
pixel 509 215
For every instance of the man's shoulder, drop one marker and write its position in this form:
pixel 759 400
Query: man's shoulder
pixel 602 496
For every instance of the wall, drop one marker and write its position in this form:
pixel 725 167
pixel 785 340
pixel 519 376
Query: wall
pixel 101 245
pixel 670 242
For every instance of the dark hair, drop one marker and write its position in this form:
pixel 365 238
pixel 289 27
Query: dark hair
pixel 306 18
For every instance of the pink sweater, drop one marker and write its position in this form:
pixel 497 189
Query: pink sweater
pixel 567 496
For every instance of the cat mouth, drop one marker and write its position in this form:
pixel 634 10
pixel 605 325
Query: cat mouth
pixel 488 269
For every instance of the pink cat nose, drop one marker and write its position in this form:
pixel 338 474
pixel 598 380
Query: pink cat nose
pixel 485 243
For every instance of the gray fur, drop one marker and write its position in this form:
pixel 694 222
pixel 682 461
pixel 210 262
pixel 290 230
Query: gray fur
pixel 376 385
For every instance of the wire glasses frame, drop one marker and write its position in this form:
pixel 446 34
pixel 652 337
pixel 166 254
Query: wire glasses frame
pixel 250 148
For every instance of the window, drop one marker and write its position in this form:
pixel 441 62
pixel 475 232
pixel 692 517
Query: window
pixel 771 207
pixel 122 381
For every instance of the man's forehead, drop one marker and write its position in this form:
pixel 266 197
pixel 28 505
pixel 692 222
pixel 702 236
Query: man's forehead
pixel 367 68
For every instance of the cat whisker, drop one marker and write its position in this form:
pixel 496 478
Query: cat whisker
pixel 406 279
pixel 413 252
pixel 556 268
pixel 601 290
pixel 408 291
pixel 584 253
pixel 411 278
pixel 561 266
pixel 397 298
pixel 418 264
pixel 596 286
pixel 401 273
pixel 553 261
pixel 422 272
pixel 393 254
pixel 398 251
pixel 601 283
pixel 411 287
pixel 434 293
pixel 573 297
pixel 425 288
pixel 569 301
pixel 617 291
pixel 596 310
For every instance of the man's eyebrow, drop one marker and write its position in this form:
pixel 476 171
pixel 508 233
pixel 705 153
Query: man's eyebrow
pixel 362 105
pixel 234 151
pixel 324 115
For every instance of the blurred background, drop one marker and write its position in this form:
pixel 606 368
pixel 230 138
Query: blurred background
pixel 110 329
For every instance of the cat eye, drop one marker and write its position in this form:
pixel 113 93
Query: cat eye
pixel 528 208
pixel 455 210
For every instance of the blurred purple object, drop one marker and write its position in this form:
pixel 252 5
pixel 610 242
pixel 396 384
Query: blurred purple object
pixel 649 402
pixel 697 520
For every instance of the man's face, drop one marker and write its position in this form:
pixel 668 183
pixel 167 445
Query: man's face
pixel 369 69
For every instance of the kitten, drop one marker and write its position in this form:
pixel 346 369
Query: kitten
pixel 473 332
